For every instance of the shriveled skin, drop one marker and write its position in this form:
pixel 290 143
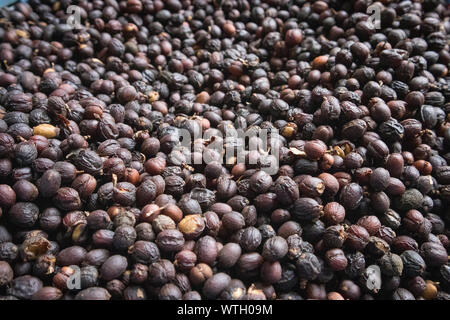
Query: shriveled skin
pixel 225 150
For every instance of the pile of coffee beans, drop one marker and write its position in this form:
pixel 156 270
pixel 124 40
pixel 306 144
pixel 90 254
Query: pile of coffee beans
pixel 101 198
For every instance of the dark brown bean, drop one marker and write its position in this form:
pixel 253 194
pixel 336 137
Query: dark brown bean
pixel 113 267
